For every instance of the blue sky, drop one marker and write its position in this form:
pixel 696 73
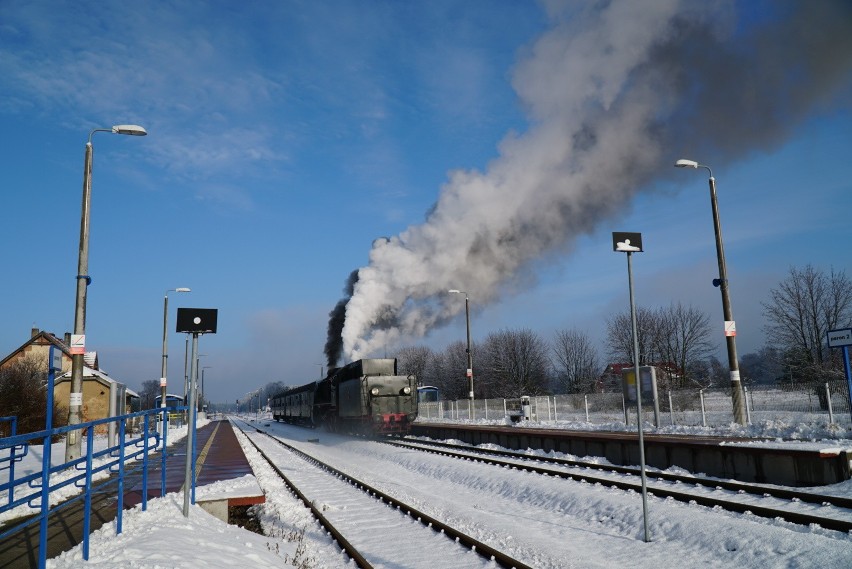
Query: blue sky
pixel 285 137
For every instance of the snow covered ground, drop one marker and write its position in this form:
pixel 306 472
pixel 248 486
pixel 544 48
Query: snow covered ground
pixel 546 522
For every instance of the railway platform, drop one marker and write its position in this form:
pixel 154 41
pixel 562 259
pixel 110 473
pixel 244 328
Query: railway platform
pixel 739 459
pixel 219 458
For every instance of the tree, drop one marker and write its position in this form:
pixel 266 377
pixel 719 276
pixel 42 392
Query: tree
pixel 270 390
pixel 446 371
pixel 414 360
pixel 719 374
pixel 23 394
pixel 800 312
pixel 515 363
pixel 620 336
pixel 765 366
pixel 682 336
pixel 149 393
pixel 576 364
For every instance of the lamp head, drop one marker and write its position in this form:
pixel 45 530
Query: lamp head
pixel 683 163
pixel 183 289
pixel 131 129
pixel 454 291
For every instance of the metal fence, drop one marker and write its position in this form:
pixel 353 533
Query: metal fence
pixel 136 437
pixel 826 403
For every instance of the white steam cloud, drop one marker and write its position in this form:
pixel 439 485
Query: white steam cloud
pixel 614 92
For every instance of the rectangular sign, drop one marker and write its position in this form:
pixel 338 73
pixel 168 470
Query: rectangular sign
pixel 55 358
pixel 197 320
pixel 78 344
pixel 730 328
pixel 840 338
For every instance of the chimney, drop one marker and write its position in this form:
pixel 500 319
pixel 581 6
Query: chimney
pixel 34 332
pixel 67 338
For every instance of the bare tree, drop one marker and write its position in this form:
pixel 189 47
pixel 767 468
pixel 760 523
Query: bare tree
pixel 576 364
pixel 620 336
pixel 23 394
pixel 515 363
pixel 270 390
pixel 149 393
pixel 446 371
pixel 682 337
pixel 804 307
pixel 413 360
pixel 765 366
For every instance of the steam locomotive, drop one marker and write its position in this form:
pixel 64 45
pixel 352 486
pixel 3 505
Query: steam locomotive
pixel 366 397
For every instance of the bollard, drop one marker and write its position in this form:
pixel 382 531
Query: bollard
pixel 703 412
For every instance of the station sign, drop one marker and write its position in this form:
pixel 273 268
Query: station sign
pixel 840 338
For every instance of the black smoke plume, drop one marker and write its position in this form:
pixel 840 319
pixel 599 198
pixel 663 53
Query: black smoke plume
pixel 336 318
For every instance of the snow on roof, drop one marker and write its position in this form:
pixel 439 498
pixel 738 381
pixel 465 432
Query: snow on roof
pixel 98 375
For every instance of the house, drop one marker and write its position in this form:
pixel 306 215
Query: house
pixel 38 347
pixel 97 384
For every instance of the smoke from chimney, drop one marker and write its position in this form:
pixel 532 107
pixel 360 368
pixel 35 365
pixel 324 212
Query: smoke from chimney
pixel 615 93
pixel 336 318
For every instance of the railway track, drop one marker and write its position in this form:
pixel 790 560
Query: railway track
pixel 344 505
pixel 773 502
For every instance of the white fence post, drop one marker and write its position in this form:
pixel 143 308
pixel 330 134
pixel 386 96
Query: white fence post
pixel 671 408
pixel 703 411
pixel 748 407
pixel 586 404
pixel 828 400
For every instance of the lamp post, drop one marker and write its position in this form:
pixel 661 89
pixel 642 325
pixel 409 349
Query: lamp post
pixel 469 355
pixel 321 370
pixel 74 442
pixel 198 367
pixel 632 243
pixel 203 400
pixel 722 282
pixel 164 368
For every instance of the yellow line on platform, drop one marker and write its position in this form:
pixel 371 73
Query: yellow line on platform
pixel 200 461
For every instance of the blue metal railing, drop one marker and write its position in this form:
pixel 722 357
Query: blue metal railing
pixel 14 457
pixel 34 489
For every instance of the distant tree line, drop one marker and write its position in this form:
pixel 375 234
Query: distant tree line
pixel 510 363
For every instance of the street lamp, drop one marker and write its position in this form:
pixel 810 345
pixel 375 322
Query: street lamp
pixel 469 356
pixel 165 344
pixel 632 243
pixel 722 283
pixel 74 442
pixel 203 400
pixel 195 378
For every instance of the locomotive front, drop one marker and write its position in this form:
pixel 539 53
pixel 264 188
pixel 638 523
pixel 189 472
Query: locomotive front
pixel 393 403
pixel 373 399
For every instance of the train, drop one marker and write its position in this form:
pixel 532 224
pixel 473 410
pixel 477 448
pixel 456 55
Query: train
pixel 363 397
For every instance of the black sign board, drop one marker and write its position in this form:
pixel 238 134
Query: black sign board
pixel 197 320
pixel 626 242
